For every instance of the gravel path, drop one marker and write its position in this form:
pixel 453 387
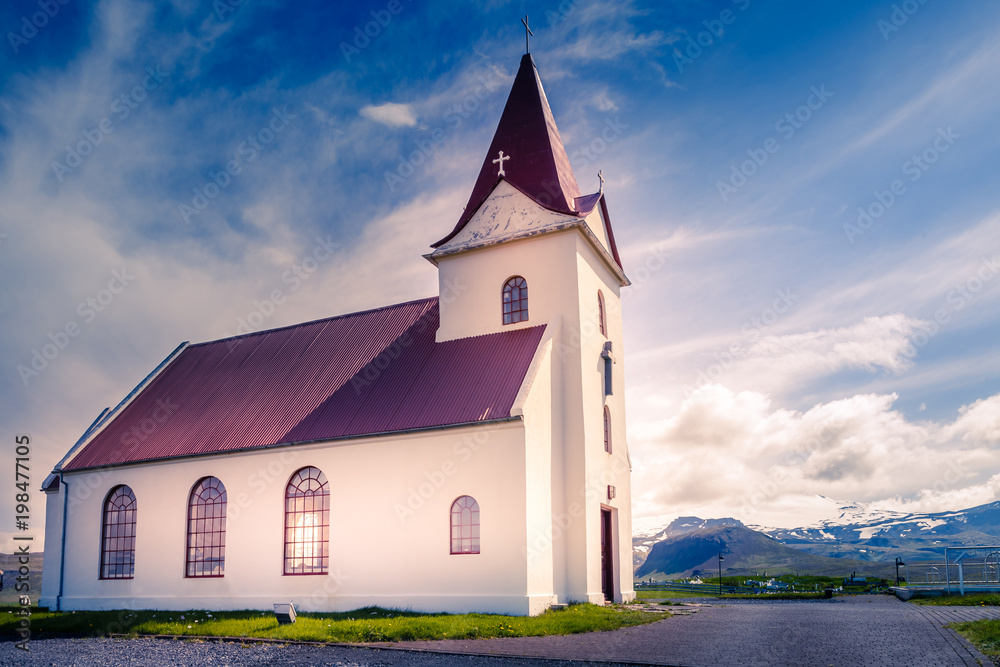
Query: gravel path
pixel 875 630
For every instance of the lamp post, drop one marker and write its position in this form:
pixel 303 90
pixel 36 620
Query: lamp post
pixel 720 572
pixel 899 561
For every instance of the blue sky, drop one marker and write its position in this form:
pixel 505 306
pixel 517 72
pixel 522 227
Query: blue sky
pixel 777 347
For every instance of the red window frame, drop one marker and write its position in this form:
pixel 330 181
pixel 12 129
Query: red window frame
pixel 607 429
pixel 307 523
pixel 514 300
pixel 465 526
pixel 118 534
pixel 206 532
pixel 600 314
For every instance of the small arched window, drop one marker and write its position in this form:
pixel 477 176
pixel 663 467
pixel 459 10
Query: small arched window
pixel 515 300
pixel 118 534
pixel 465 526
pixel 206 534
pixel 307 523
pixel 607 429
pixel 600 314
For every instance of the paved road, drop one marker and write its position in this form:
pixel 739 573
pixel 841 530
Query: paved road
pixel 861 631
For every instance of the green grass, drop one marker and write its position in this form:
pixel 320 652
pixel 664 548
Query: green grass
pixel 984 634
pixel 664 594
pixel 785 595
pixel 971 600
pixel 363 625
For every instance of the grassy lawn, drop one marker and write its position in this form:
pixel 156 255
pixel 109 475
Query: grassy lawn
pixel 363 625
pixel 669 595
pixel 984 634
pixel 971 600
pixel 775 596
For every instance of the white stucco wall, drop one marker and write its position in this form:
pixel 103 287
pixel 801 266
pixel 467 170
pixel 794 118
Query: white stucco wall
pixel 564 273
pixel 390 503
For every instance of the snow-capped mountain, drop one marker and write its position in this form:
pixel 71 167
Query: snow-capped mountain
pixel 868 534
pixel 859 532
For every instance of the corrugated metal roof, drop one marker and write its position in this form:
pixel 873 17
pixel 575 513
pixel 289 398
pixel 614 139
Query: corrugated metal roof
pixel 538 166
pixel 371 372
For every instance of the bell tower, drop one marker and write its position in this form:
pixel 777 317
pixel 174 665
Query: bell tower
pixel 530 249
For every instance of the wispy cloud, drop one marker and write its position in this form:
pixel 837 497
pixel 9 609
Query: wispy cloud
pixel 391 114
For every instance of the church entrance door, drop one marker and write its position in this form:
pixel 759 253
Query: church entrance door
pixel 607 557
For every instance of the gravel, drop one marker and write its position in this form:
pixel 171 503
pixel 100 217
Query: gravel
pixel 196 653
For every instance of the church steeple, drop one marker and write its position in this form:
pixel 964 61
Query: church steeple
pixel 538 164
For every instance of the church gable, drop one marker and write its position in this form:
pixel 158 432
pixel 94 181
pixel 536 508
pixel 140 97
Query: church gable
pixel 366 373
pixel 533 157
pixel 506 214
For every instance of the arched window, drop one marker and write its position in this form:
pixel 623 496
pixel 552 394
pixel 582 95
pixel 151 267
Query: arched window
pixel 515 300
pixel 307 523
pixel 465 526
pixel 600 314
pixel 206 533
pixel 607 429
pixel 118 534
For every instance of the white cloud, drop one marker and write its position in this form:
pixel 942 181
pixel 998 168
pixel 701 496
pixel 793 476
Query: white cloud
pixel 391 114
pixel 730 453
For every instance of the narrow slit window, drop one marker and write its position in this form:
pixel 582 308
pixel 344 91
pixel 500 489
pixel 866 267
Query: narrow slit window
pixel 515 300
pixel 600 314
pixel 607 429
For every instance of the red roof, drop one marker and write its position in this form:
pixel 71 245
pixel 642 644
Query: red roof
pixel 365 373
pixel 538 163
pixel 538 166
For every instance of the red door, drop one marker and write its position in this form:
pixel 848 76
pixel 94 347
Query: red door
pixel 607 557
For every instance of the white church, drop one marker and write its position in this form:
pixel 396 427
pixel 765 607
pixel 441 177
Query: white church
pixel 460 453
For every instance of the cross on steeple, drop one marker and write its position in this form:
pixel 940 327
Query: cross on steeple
pixel 527 31
pixel 499 161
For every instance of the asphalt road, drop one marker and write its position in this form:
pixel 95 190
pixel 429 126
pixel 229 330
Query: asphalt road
pixel 876 630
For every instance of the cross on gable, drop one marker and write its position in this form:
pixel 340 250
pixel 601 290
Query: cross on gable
pixel 499 161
